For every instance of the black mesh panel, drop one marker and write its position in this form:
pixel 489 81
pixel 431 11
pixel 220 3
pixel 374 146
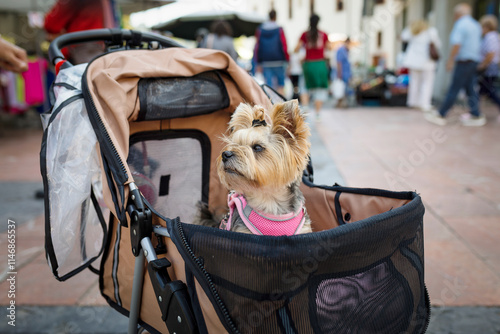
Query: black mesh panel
pixel 356 278
pixel 167 98
pixel 338 309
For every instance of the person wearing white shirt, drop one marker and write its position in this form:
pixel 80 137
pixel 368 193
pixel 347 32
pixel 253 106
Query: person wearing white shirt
pixel 422 68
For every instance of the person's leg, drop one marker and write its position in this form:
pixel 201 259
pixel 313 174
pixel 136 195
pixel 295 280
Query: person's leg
pixel 320 96
pixel 487 83
pixel 304 99
pixel 426 88
pixel 457 82
pixel 413 87
pixel 279 73
pixel 317 106
pixel 483 85
pixel 306 79
pixel 295 83
pixel 267 72
pixel 470 74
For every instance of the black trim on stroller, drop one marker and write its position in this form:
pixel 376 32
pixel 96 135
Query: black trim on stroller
pixel 115 39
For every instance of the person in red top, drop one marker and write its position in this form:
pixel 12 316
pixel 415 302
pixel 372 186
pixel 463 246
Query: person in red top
pixel 315 67
pixel 76 15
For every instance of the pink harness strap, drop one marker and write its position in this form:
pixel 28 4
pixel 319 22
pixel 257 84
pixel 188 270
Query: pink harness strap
pixel 260 224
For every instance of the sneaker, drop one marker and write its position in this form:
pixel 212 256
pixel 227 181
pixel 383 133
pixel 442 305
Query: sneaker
pixel 430 110
pixel 469 120
pixel 435 117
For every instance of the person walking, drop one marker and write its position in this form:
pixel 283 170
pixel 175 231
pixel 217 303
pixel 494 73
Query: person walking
pixel 490 56
pixel 315 68
pixel 465 39
pixel 295 74
pixel 344 70
pixel 271 53
pixel 420 64
pixel 220 38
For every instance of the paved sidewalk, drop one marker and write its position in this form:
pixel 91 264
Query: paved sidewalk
pixel 455 169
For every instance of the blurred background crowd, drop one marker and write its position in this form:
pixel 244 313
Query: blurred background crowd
pixel 359 52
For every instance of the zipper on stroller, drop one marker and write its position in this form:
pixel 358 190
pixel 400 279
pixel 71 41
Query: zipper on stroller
pixel 221 307
pixel 109 146
pixel 106 144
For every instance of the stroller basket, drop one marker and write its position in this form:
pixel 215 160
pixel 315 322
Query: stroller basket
pixel 154 121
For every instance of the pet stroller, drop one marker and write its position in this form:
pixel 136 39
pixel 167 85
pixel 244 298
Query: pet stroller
pixel 138 131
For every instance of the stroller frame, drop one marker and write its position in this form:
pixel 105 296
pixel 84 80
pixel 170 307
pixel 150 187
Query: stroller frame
pixel 174 299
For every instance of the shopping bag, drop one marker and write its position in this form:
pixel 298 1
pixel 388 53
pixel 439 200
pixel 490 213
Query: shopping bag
pixel 338 89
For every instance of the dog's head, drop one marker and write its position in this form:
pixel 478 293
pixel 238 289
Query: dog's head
pixel 264 151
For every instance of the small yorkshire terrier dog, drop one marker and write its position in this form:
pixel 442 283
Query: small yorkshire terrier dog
pixel 262 165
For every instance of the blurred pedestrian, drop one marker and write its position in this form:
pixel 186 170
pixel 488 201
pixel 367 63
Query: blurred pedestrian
pixel 68 16
pixel 315 67
pixel 420 62
pixel 465 39
pixel 295 73
pixel 344 70
pixel 271 53
pixel 12 57
pixel 200 35
pixel 220 38
pixel 490 56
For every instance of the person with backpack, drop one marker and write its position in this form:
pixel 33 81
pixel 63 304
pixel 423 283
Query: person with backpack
pixel 271 53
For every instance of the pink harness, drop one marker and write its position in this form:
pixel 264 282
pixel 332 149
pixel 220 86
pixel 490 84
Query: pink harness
pixel 260 224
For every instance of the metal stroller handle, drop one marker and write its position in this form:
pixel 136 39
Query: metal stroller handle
pixel 115 36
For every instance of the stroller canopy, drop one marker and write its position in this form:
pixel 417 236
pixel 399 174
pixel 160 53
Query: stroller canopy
pixel 111 94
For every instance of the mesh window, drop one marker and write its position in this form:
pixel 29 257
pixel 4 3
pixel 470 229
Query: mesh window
pixel 339 309
pixel 171 170
pixel 166 98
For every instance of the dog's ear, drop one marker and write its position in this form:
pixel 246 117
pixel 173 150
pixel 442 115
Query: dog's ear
pixel 289 122
pixel 245 116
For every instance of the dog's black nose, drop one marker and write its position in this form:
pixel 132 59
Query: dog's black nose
pixel 226 155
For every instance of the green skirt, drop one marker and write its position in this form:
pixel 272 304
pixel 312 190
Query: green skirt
pixel 315 74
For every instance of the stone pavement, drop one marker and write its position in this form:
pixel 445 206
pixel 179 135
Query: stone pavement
pixel 455 169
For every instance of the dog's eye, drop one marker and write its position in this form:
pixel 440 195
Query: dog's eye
pixel 257 148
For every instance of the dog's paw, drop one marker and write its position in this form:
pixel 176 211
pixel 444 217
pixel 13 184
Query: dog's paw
pixel 204 216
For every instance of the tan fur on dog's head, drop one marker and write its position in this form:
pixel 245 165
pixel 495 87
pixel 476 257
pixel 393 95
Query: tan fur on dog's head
pixel 264 153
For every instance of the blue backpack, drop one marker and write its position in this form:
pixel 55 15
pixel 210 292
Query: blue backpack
pixel 270 46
